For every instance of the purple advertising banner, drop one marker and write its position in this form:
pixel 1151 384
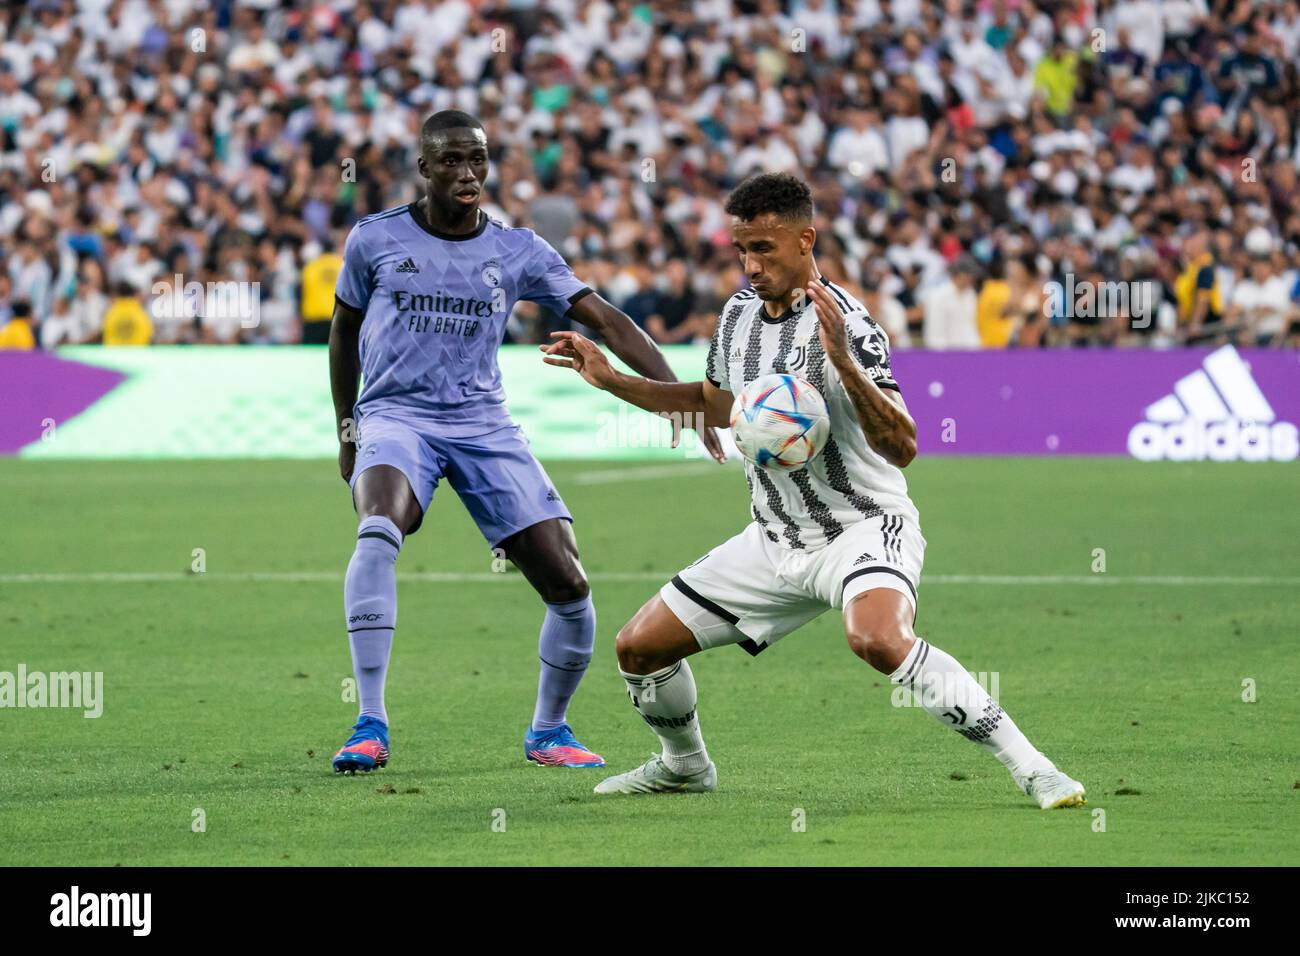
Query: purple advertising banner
pixel 38 388
pixel 1186 404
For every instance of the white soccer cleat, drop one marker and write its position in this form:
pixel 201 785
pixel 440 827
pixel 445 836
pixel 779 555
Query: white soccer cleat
pixel 653 776
pixel 1051 788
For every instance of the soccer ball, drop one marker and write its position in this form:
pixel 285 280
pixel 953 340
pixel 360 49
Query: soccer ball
pixel 780 422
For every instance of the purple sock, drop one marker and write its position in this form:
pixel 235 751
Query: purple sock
pixel 565 645
pixel 370 605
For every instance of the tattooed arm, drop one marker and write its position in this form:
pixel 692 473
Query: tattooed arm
pixel 889 429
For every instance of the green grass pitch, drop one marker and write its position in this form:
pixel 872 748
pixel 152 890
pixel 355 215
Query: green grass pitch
pixel 224 689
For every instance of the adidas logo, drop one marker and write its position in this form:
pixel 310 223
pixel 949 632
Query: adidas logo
pixel 862 560
pixel 407 265
pixel 1218 413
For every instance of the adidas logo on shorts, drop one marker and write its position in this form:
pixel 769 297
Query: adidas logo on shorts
pixel 407 265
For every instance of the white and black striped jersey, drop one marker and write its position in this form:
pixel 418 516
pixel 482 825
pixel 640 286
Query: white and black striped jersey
pixel 847 482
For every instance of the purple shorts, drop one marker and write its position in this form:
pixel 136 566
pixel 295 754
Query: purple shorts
pixel 504 488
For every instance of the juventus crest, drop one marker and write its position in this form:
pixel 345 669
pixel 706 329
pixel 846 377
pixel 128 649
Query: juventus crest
pixel 797 358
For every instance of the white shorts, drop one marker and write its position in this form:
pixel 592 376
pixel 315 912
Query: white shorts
pixel 752 592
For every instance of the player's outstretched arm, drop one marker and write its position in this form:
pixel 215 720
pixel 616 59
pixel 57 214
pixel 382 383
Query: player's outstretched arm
pixel 624 337
pixel 571 350
pixel 889 429
pixel 630 343
pixel 345 378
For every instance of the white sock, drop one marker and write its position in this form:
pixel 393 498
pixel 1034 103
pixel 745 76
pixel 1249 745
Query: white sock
pixel 666 701
pixel 944 689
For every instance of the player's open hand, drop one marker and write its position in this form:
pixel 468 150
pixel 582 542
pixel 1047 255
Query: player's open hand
pixel 571 350
pixel 713 445
pixel 831 328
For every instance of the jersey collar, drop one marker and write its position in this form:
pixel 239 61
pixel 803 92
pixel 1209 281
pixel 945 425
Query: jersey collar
pixel 414 210
pixel 778 319
pixel 788 313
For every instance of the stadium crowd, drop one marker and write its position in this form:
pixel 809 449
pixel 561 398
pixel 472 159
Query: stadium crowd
pixel 978 167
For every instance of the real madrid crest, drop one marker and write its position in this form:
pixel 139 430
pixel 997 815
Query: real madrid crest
pixel 491 273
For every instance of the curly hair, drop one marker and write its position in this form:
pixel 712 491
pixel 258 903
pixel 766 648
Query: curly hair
pixel 780 193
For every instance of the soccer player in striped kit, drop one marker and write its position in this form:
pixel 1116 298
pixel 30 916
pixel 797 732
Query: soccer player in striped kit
pixel 420 310
pixel 841 533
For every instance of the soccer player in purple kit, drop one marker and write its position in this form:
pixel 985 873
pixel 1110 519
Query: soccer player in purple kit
pixel 420 309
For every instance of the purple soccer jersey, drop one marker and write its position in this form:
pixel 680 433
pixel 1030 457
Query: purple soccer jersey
pixel 435 308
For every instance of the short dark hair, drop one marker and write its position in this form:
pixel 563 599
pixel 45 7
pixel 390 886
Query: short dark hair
pixel 447 119
pixel 779 193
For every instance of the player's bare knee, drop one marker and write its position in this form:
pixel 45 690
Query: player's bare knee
pixel 635 650
pixel 385 492
pixel 882 645
pixel 565 587
pixel 627 648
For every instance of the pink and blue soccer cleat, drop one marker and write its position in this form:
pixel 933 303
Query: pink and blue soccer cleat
pixel 559 748
pixel 366 749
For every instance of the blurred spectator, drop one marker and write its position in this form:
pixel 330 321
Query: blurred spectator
pixel 673 319
pixel 6 299
pixel 17 332
pixel 61 325
pixel 1261 307
pixel 1057 76
pixel 554 216
pixel 1094 316
pixel 888 312
pixel 858 148
pixel 126 322
pixel 1024 308
pixel 950 309
pixel 318 278
pixel 1200 304
pixel 992 308
pixel 89 303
